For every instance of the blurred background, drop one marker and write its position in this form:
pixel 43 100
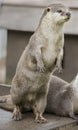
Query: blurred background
pixel 18 20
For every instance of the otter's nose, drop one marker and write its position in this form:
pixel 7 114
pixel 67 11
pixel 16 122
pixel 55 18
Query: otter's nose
pixel 68 14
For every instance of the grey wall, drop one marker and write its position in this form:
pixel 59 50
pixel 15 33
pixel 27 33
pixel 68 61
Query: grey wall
pixel 17 42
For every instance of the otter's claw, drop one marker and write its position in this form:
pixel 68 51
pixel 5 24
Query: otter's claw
pixel 41 68
pixel 59 69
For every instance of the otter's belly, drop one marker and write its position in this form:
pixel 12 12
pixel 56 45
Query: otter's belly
pixel 49 55
pixel 40 83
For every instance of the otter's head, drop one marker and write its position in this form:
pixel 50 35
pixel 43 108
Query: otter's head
pixel 57 13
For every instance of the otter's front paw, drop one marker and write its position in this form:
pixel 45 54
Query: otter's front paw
pixel 41 68
pixel 59 69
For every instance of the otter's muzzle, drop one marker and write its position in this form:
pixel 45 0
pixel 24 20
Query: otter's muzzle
pixel 68 14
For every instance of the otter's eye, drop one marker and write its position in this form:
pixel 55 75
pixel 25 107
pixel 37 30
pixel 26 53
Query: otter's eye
pixel 59 11
pixel 48 9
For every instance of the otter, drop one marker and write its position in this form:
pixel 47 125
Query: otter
pixel 63 97
pixel 41 57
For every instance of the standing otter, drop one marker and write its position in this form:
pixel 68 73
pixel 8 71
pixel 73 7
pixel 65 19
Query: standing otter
pixel 44 52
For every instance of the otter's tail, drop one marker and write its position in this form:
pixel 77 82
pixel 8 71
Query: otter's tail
pixel 6 103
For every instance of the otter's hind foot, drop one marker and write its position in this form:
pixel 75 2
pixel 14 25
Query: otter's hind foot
pixel 41 119
pixel 17 114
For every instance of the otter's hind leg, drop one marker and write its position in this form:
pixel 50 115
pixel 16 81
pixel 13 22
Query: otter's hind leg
pixel 39 108
pixel 70 110
pixel 73 116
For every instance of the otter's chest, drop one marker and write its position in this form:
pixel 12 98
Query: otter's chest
pixel 51 51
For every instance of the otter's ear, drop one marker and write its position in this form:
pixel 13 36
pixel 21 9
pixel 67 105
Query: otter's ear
pixel 48 9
